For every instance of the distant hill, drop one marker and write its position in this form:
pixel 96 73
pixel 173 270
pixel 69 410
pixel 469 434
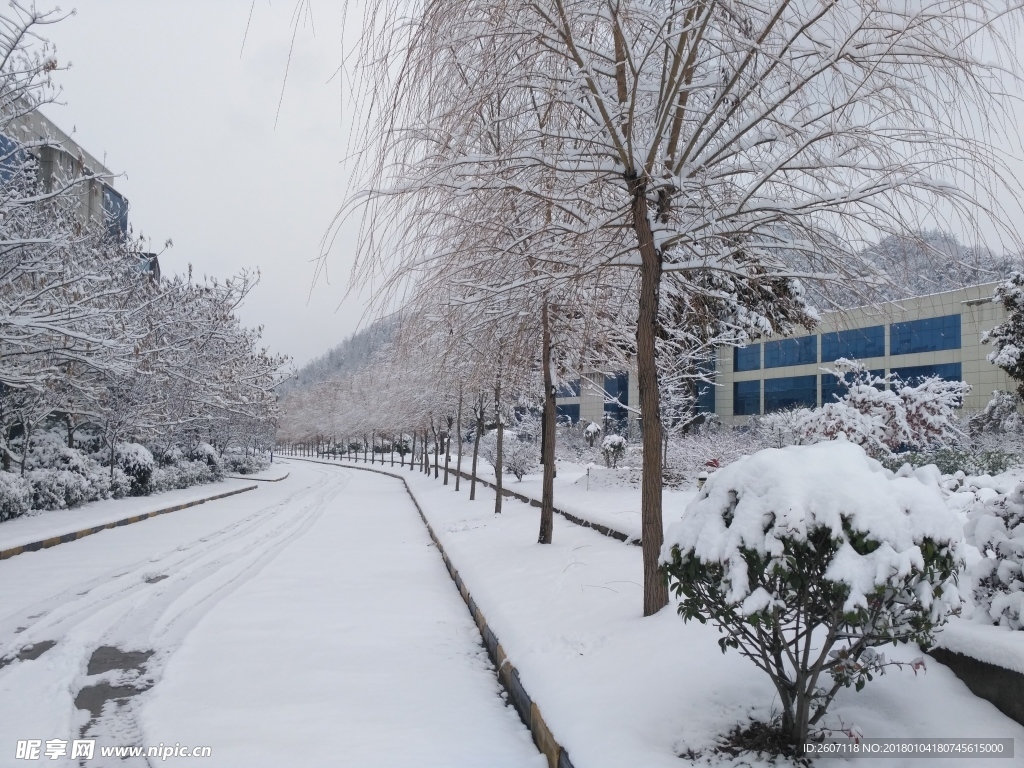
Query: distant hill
pixel 351 355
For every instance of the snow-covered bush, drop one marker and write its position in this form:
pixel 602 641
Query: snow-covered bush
pixel 518 456
pixel 15 496
pixel 883 414
pixel 591 433
pixel 613 448
pixel 968 460
pixel 207 453
pixel 996 528
pixel 1008 336
pixel 245 465
pixel 137 463
pixel 59 489
pixel 809 557
pixel 1001 415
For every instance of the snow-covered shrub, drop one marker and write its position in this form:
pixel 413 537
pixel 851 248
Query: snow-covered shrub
pixel 996 528
pixel 137 463
pixel 591 433
pixel 949 461
pixel 883 414
pixel 1001 415
pixel 207 453
pixel 809 557
pixel 15 496
pixel 245 465
pixel 58 488
pixel 613 448
pixel 518 456
pixel 1008 336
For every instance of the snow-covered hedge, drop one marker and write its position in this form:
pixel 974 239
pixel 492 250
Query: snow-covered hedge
pixel 246 464
pixel 819 554
pixel 996 527
pixel 15 496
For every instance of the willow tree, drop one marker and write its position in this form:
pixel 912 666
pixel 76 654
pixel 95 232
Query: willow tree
pixel 768 142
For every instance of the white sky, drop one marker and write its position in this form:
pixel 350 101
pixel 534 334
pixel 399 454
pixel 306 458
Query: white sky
pixel 159 89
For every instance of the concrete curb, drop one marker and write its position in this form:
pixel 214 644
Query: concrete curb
pixel 53 541
pixel 260 479
pixel 1003 687
pixel 508 675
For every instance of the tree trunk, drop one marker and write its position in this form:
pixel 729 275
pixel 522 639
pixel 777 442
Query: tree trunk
pixel 458 432
pixel 498 458
pixel 651 530
pixel 412 452
pixel 547 503
pixel 433 429
pixel 476 447
pixel 373 441
pixel 71 430
pixel 447 449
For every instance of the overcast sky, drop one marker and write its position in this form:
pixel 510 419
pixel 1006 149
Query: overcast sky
pixel 165 93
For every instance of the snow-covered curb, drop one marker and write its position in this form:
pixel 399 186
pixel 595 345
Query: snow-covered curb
pixel 508 675
pixel 31 535
pixel 984 642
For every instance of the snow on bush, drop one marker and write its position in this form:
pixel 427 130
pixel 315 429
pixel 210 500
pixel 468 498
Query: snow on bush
pixel 591 432
pixel 59 489
pixel 613 448
pixel 884 414
pixel 519 456
pixel 996 527
pixel 246 464
pixel 809 557
pixel 137 463
pixel 15 496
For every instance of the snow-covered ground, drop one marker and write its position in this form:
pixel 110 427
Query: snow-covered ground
pixel 620 690
pixel 310 622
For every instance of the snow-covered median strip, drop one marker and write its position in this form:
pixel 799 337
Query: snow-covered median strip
pixel 47 529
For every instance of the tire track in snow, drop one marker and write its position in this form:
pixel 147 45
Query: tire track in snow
pixel 147 607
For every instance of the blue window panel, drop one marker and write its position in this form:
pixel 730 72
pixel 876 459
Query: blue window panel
pixel 791 352
pixel 569 389
pixel 832 387
pixel 567 412
pixel 746 398
pixel 12 158
pixel 853 345
pixel 929 335
pixel 912 374
pixel 115 208
pixel 616 387
pixel 790 392
pixel 747 358
pixel 705 397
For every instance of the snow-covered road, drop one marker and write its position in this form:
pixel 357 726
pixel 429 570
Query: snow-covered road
pixel 309 623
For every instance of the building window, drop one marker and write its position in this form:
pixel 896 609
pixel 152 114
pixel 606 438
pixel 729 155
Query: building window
pixel 567 412
pixel 616 393
pixel 790 392
pixel 569 389
pixel 115 211
pixel 791 352
pixel 929 335
pixel 857 344
pixel 913 374
pixel 705 397
pixel 746 398
pixel 833 388
pixel 747 358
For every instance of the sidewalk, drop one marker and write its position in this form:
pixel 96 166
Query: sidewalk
pixel 60 522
